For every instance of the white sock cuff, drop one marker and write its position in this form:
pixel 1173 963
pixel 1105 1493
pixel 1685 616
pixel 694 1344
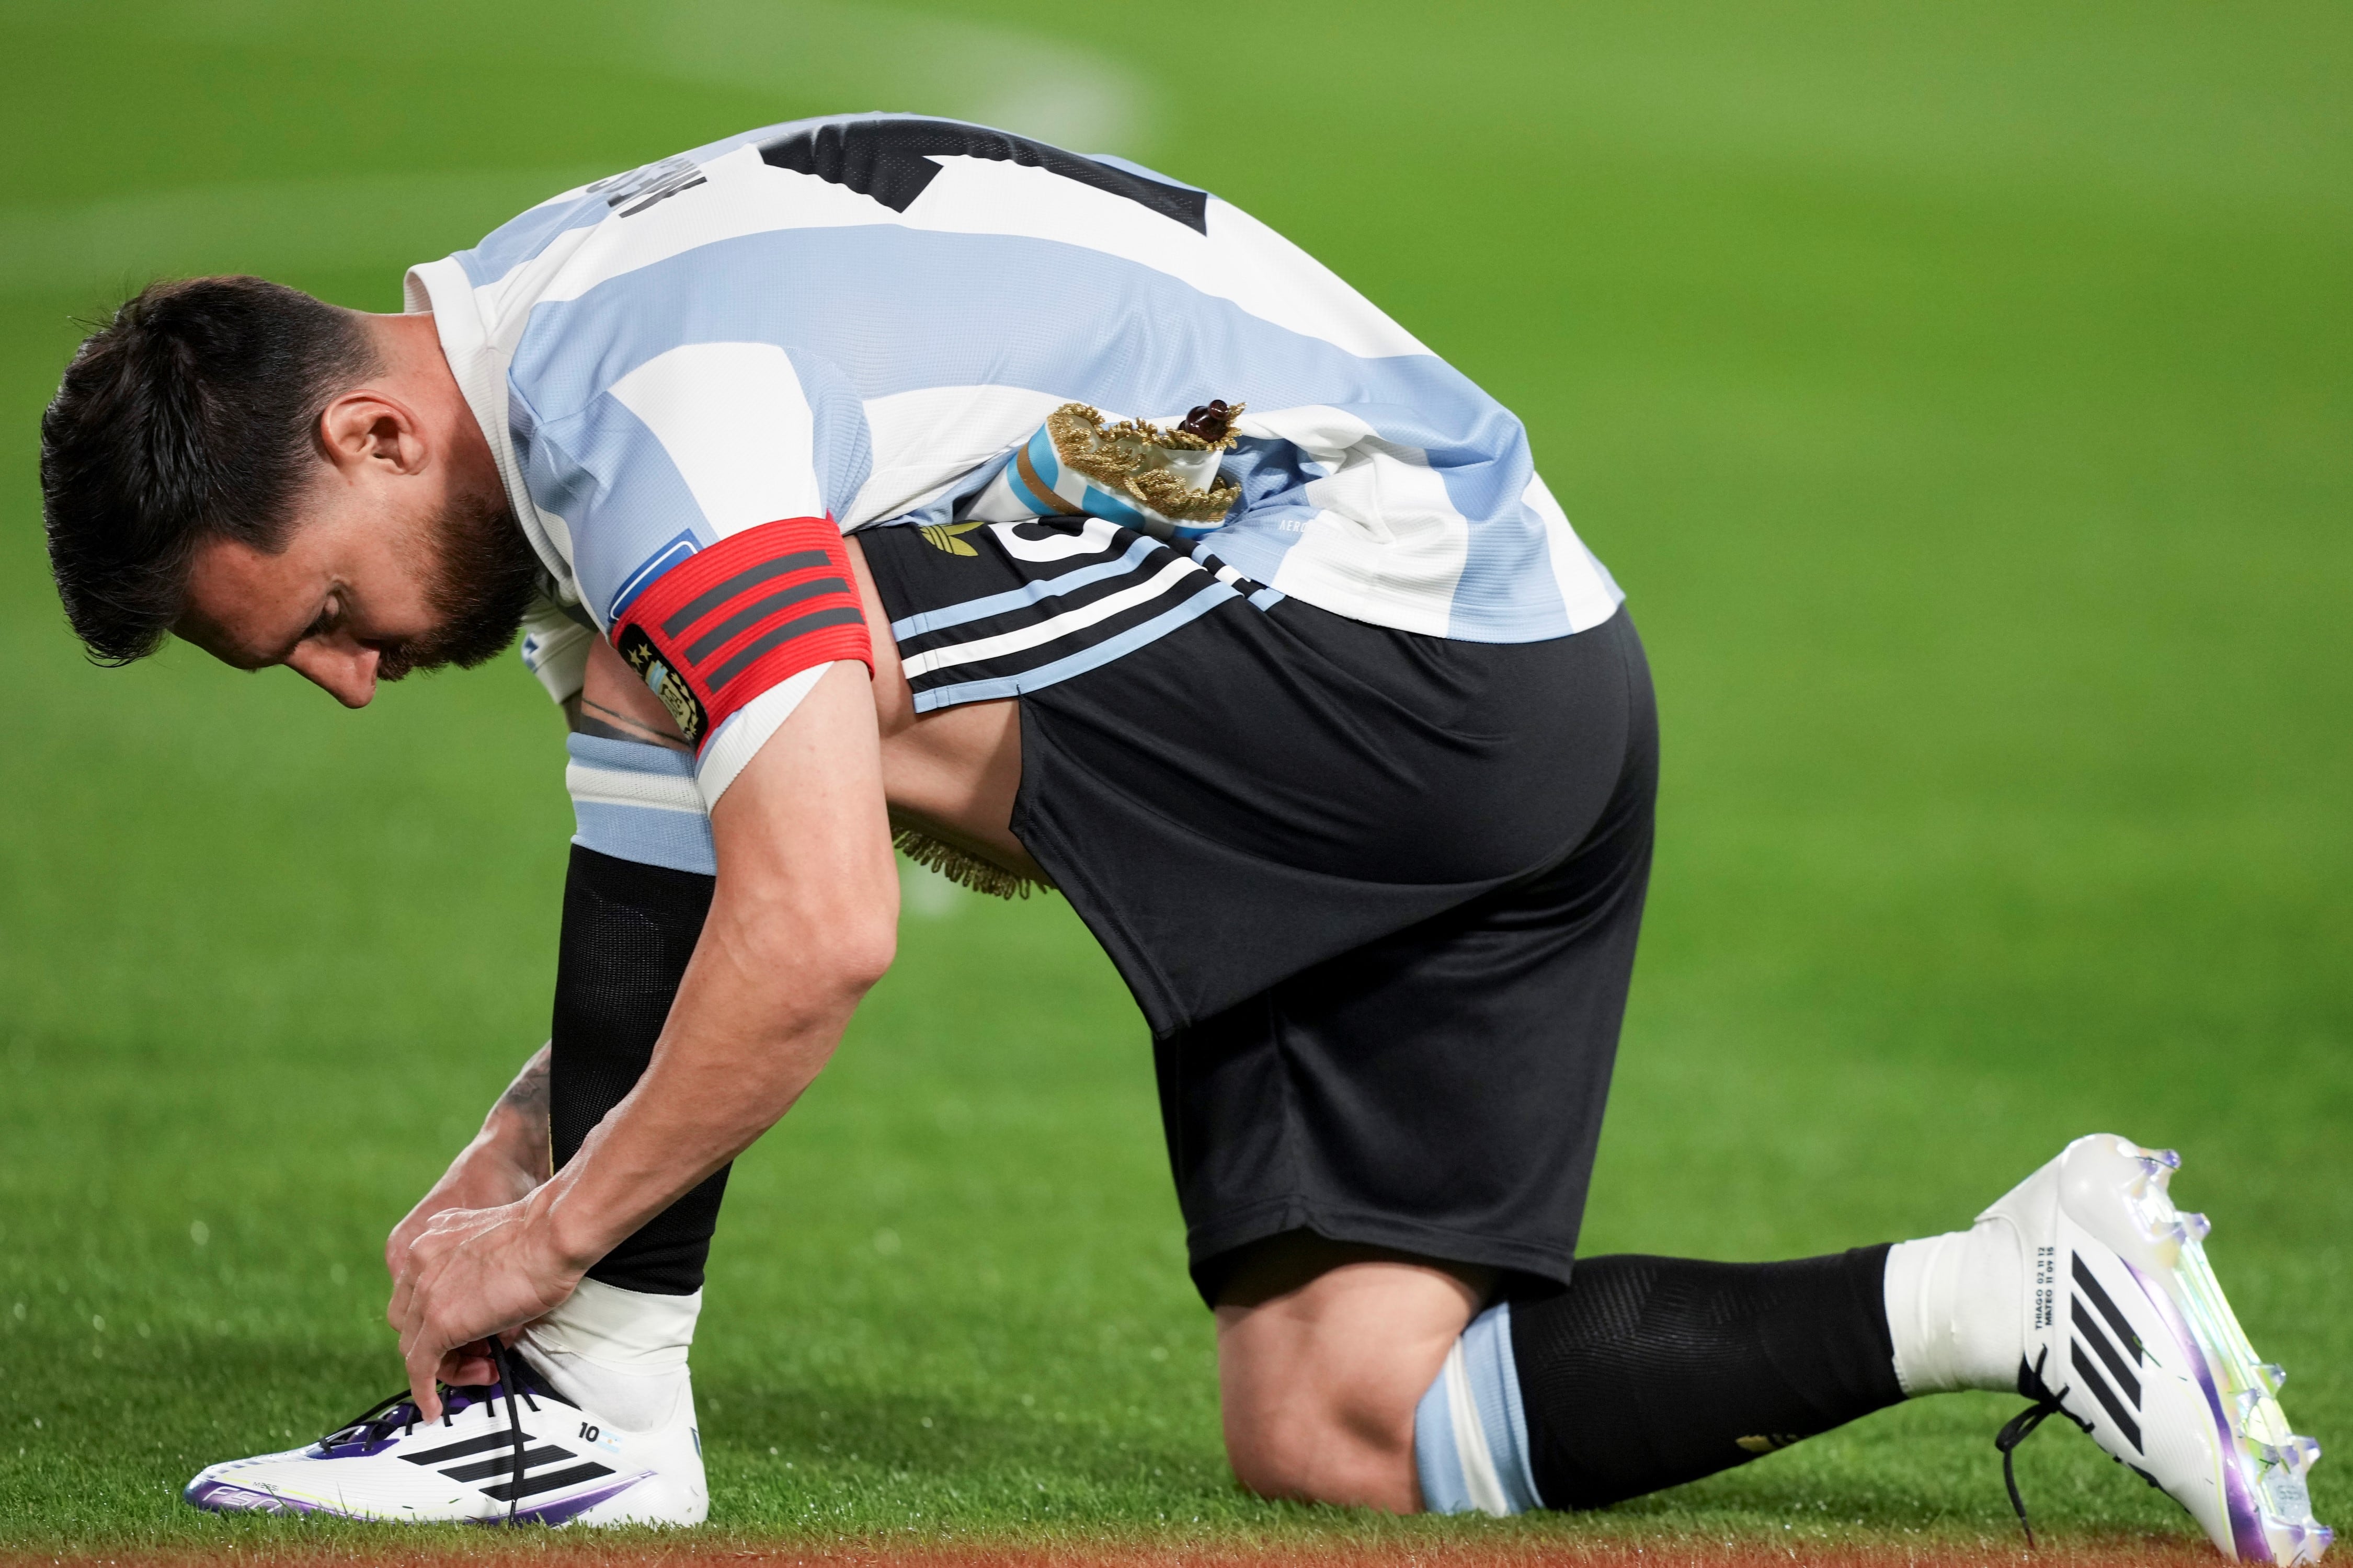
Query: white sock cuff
pixel 1955 1309
pixel 1923 1346
pixel 632 1331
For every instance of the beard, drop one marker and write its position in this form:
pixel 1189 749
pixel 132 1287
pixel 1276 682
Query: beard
pixel 485 576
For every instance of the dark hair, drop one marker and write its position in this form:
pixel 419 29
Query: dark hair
pixel 190 416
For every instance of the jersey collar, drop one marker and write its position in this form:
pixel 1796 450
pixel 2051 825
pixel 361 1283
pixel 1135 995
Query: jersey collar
pixel 443 288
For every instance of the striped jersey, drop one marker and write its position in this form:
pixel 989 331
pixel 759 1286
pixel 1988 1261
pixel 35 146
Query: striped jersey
pixel 696 376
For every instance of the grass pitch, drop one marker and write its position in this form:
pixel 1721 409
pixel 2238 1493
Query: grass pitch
pixel 1960 396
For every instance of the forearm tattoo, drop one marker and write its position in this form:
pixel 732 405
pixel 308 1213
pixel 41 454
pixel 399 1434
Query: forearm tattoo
pixel 526 1101
pixel 527 1096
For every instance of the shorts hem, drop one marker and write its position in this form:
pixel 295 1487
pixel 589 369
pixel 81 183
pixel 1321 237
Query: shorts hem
pixel 1209 1246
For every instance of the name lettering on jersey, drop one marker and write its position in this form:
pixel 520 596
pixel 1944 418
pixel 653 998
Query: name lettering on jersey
pixel 641 188
pixel 895 161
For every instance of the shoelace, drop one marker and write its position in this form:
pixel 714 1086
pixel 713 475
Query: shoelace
pixel 373 1423
pixel 2020 1427
pixel 398 1410
pixel 509 1371
pixel 376 1422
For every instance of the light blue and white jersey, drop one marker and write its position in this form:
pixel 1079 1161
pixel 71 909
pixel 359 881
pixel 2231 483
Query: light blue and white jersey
pixel 859 319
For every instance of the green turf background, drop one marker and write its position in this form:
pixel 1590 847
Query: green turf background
pixel 1960 393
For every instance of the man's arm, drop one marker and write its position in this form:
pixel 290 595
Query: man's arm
pixel 803 921
pixel 511 1154
pixel 506 1160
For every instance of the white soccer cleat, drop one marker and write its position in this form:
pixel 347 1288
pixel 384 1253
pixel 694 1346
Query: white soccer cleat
pixel 2129 1336
pixel 490 1459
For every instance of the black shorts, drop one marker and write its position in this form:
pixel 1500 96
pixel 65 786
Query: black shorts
pixel 1378 896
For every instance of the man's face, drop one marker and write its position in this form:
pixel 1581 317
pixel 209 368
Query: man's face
pixel 374 583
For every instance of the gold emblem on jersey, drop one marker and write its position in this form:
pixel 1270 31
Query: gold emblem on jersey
pixel 1172 472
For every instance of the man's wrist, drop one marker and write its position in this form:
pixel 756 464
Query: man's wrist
pixel 495 1168
pixel 521 1138
pixel 566 1246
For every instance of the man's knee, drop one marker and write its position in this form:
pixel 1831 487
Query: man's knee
pixel 1293 1431
pixel 1324 1349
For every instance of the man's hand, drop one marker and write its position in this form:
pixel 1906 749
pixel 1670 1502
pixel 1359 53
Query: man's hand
pixel 471 1274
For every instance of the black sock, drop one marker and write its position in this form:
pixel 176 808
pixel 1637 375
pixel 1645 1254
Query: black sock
pixel 628 929
pixel 1650 1372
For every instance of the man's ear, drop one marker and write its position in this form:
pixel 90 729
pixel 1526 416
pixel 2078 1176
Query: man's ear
pixel 368 426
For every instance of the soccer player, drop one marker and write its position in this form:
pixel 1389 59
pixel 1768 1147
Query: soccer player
pixel 1343 747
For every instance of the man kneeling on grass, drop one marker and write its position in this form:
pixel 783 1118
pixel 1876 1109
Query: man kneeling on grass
pixel 880 476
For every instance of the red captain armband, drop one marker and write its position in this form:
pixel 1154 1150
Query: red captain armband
pixel 730 621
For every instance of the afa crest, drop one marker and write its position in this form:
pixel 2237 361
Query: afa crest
pixel 685 707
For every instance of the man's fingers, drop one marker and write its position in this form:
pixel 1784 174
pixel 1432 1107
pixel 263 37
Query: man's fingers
pixel 404 1292
pixel 396 1245
pixel 423 1352
pixel 408 1304
pixel 420 1350
pixel 422 1389
pixel 469 1366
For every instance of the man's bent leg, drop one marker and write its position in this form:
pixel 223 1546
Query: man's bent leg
pixel 1358 1376
pixel 1324 1349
